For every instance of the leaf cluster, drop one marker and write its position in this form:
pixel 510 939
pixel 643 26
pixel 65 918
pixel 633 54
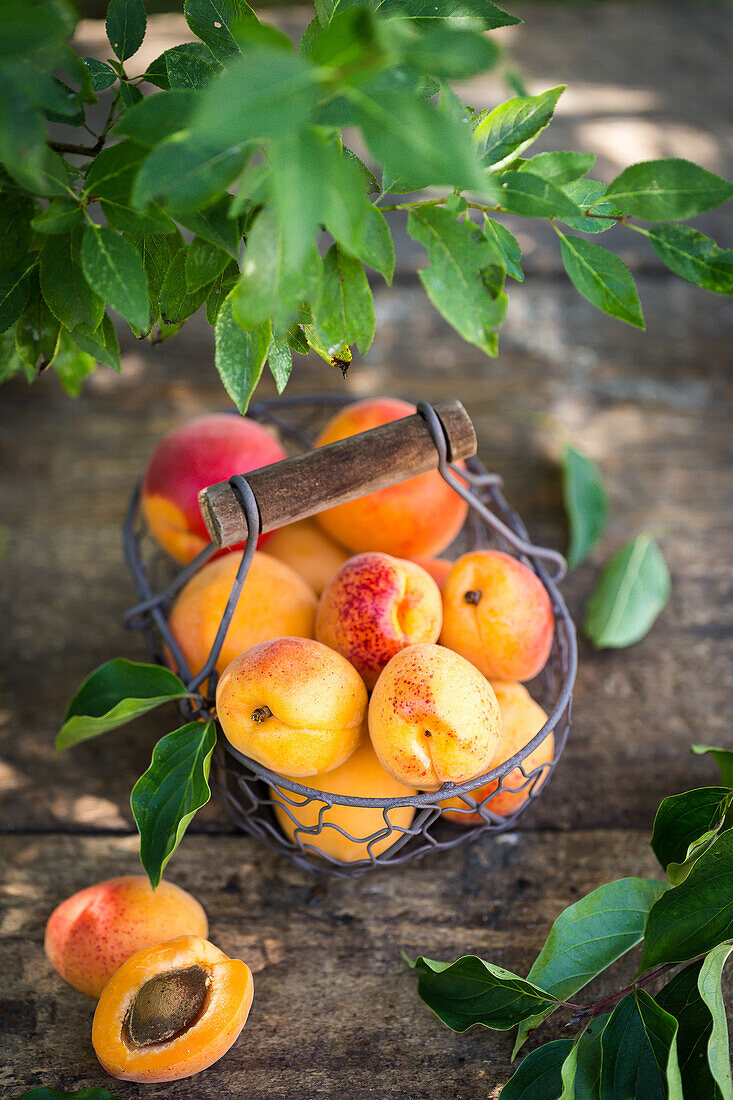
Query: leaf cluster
pixel 220 180
pixel 632 1045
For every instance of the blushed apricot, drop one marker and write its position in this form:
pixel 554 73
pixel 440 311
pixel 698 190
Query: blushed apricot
pixel 309 551
pixel 438 568
pixel 419 516
pixel 521 719
pixel 92 933
pixel 375 606
pixel 275 601
pixel 497 614
pixel 205 450
pixel 433 718
pixel 361 775
pixel 171 1011
pixel 294 705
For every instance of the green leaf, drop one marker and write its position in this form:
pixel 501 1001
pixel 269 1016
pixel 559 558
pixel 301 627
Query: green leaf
pixel 16 212
pixel 668 190
pixel 126 23
pixel 240 355
pixel 680 997
pixel 684 819
pixel 345 310
pixel 709 984
pixel 504 133
pixel 101 344
pixel 187 70
pixel 186 172
pixel 72 365
pixel 60 216
pixel 507 247
pixel 588 937
pixel 156 118
pixel 102 74
pixel 215 225
pixel 588 1060
pixel 693 256
pixel 64 284
pixel 212 21
pixel 539 1077
pixel 111 178
pixel 15 286
pixel 639 1052
pixel 533 197
pixel 280 362
pixel 335 356
pixel 722 757
pixel 450 52
pixel 376 247
pixel 631 591
pixel 470 991
pixel 586 505
pixel 219 291
pixel 560 167
pixel 455 281
pixel 157 71
pixel 167 796
pixel 297 340
pixel 587 193
pixel 58 1094
pixel 176 304
pixel 204 262
pixel 697 915
pixel 473 13
pixel 156 250
pixel 37 332
pixel 114 270
pixel 371 183
pixel 28 28
pixel 602 278
pixel 113 695
pixel 23 148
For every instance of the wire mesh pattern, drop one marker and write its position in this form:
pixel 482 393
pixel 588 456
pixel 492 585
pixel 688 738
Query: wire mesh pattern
pixel 389 831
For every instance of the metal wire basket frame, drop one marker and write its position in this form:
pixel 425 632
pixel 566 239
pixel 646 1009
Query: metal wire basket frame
pixel 243 785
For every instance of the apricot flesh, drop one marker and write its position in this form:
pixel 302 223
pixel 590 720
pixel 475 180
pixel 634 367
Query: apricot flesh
pixel 433 718
pixel 171 1011
pixel 309 551
pixel 361 775
pixel 375 606
pixel 521 719
pixel 275 601
pixel 497 614
pixel 419 516
pixel 95 931
pixel 294 705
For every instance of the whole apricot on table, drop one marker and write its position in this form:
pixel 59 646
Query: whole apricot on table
pixel 376 605
pixel 419 516
pixel 275 601
pixel 94 932
pixel 198 454
pixel 521 719
pixel 438 568
pixel 309 551
pixel 433 718
pixel 171 1010
pixel 362 775
pixel 294 705
pixel 497 614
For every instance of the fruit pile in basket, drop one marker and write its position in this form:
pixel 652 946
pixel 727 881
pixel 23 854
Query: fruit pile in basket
pixel 357 660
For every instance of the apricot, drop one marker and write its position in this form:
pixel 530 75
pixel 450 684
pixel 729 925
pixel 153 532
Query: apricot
pixel 497 614
pixel 309 551
pixel 419 516
pixel 205 450
pixel 171 1010
pixel 361 775
pixel 438 568
pixel 521 719
pixel 375 606
pixel 433 718
pixel 294 705
pixel 275 601
pixel 92 933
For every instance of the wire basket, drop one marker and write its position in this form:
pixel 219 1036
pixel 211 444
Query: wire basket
pixel 243 786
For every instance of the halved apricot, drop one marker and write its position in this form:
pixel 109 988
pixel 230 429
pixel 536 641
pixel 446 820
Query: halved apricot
pixel 171 1011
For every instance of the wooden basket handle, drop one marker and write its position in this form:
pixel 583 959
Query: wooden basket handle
pixel 338 472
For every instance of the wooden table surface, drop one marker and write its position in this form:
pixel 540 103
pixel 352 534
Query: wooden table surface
pixel 335 1011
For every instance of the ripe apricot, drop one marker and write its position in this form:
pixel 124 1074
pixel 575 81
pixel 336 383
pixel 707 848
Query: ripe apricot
pixel 309 551
pixel 205 450
pixel 92 933
pixel 438 568
pixel 521 719
pixel 171 1010
pixel 275 601
pixel 361 775
pixel 294 705
pixel 497 614
pixel 433 718
pixel 375 606
pixel 419 516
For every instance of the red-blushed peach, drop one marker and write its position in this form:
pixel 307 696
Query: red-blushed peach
pixel 274 602
pixel 309 551
pixel 205 450
pixel 521 719
pixel 361 775
pixel 497 614
pixel 294 705
pixel 419 516
pixel 438 568
pixel 171 1010
pixel 433 718
pixel 94 932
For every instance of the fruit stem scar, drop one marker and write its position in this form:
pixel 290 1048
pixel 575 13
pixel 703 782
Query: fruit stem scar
pixel 261 714
pixel 473 595
pixel 428 733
